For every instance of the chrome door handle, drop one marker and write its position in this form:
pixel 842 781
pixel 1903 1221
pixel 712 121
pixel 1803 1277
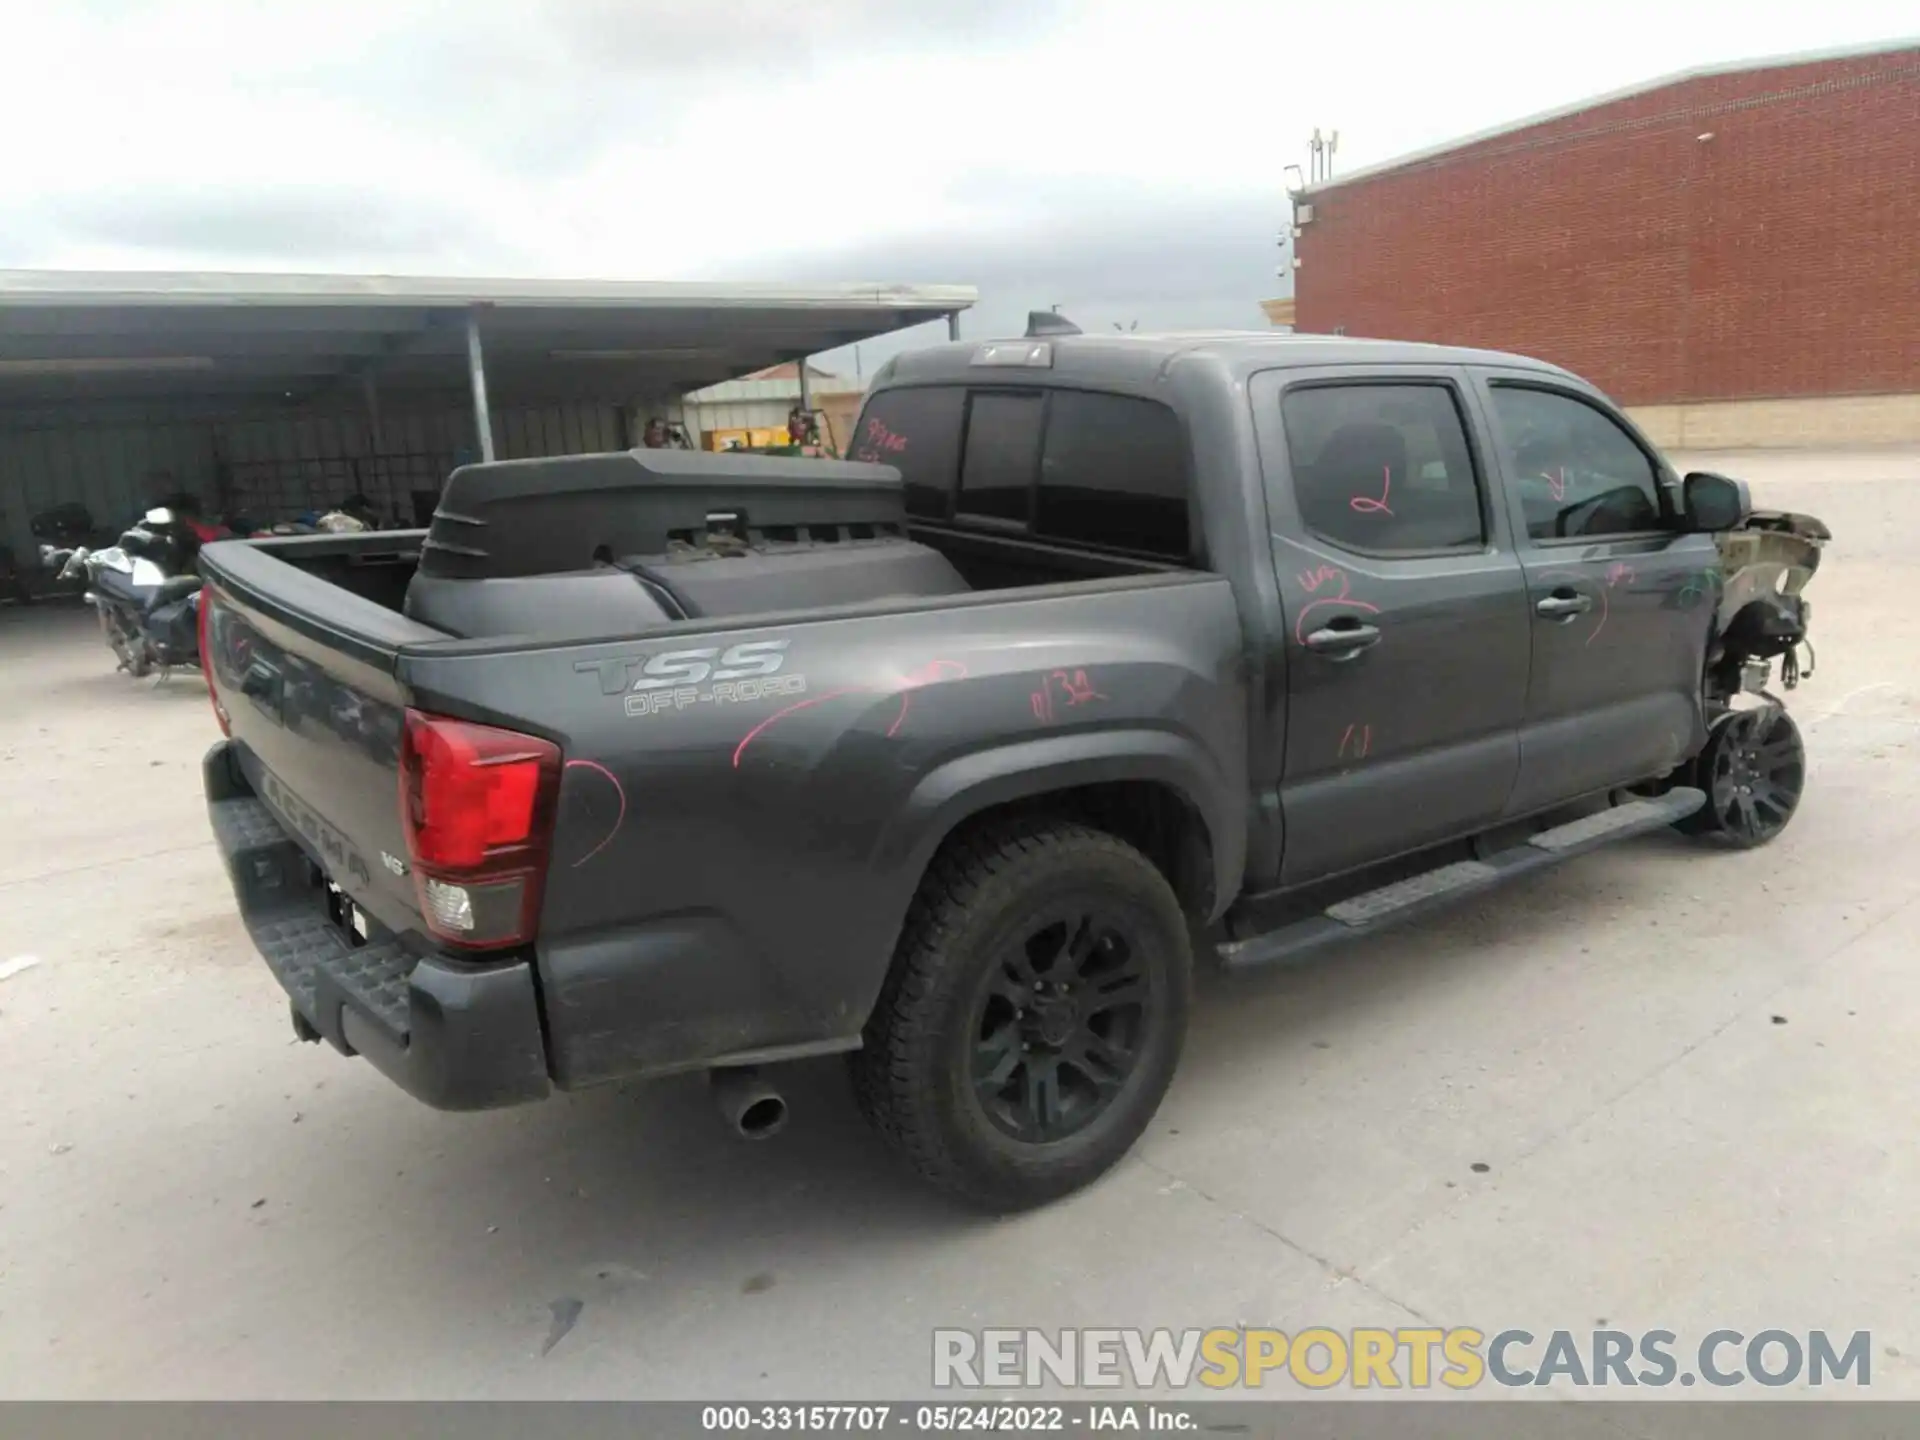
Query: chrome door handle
pixel 1341 641
pixel 1563 605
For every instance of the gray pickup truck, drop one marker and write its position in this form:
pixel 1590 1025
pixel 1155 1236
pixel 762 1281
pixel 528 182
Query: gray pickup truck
pixel 1098 652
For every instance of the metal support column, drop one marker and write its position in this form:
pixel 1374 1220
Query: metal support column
pixel 806 389
pixel 374 474
pixel 370 392
pixel 953 325
pixel 477 373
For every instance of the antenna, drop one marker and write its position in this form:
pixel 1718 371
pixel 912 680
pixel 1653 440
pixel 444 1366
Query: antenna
pixel 1320 150
pixel 1049 322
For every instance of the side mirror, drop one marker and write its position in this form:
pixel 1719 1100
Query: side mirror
pixel 1712 503
pixel 160 515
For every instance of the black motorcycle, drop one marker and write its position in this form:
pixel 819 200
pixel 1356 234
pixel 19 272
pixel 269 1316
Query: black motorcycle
pixel 144 589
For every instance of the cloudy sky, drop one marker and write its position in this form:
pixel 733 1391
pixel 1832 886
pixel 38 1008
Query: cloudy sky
pixel 1119 158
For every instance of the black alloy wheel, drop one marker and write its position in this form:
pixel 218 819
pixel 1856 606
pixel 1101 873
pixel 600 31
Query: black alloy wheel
pixel 1033 1015
pixel 1753 770
pixel 1060 1024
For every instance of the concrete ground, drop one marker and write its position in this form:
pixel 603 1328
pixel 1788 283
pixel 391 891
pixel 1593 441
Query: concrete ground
pixel 1659 1087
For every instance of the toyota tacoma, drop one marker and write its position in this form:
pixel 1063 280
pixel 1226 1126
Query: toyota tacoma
pixel 1098 654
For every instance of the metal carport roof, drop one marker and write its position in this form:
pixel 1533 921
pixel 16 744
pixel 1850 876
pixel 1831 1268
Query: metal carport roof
pixel 195 343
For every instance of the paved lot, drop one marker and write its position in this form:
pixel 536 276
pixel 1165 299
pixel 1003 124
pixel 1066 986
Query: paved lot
pixel 1577 1100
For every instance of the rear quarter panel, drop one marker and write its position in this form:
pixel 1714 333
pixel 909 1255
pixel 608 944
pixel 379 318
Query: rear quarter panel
pixel 746 813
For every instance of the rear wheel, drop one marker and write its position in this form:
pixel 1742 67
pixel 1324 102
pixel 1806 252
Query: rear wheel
pixel 1753 769
pixel 1031 1022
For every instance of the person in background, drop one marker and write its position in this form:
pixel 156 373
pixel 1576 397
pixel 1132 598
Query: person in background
pixel 654 437
pixel 800 428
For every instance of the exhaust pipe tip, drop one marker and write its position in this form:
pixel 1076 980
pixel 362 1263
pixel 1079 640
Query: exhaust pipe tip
pixel 752 1109
pixel 764 1118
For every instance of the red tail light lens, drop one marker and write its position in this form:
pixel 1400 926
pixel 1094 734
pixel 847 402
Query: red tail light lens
pixel 477 805
pixel 473 790
pixel 203 619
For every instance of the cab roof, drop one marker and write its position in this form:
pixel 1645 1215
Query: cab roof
pixel 1133 360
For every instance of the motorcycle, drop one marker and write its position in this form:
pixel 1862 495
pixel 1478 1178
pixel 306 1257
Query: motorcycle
pixel 144 590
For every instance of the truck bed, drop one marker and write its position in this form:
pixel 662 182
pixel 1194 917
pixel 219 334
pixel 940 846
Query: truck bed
pixel 744 801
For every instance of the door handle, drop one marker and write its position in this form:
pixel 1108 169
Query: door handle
pixel 1342 640
pixel 1564 605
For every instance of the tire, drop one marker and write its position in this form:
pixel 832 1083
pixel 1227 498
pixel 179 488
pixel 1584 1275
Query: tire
pixel 1753 769
pixel 1090 933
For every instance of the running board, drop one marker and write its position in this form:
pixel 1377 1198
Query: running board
pixel 1390 905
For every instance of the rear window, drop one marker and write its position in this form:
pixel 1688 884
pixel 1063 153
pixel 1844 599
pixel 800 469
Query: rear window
pixel 1113 473
pixel 917 431
pixel 1111 469
pixel 996 471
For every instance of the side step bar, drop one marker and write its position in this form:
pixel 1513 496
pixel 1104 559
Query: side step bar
pixel 1376 910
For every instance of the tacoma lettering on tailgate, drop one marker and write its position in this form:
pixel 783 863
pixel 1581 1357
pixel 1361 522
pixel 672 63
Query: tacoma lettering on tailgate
pixel 328 841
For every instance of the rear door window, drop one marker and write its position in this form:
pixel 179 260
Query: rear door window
pixel 917 431
pixel 1003 446
pixel 1113 474
pixel 1383 469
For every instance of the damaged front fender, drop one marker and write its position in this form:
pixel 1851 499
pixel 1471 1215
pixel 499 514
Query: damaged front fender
pixel 1765 564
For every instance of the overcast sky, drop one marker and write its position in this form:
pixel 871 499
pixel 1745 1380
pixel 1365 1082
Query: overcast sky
pixel 1120 158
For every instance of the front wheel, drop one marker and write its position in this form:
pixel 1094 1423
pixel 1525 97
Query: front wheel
pixel 1753 769
pixel 1035 1010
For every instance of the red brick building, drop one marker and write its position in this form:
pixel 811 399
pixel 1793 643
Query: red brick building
pixel 1734 252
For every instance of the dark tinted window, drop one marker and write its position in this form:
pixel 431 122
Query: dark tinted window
pixel 917 431
pixel 1113 473
pixel 1576 471
pixel 1003 441
pixel 1383 468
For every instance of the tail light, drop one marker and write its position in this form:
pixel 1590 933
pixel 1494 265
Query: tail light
pixel 203 619
pixel 477 804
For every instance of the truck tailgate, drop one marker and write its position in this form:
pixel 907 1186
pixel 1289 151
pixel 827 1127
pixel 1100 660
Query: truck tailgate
pixel 304 799
pixel 303 671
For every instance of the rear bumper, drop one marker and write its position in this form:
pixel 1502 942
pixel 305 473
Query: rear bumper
pixel 458 1037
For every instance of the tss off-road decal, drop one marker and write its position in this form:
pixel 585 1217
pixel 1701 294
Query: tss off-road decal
pixel 704 675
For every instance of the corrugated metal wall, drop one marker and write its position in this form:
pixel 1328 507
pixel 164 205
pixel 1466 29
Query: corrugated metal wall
pixel 108 468
pixel 739 415
pixel 278 467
